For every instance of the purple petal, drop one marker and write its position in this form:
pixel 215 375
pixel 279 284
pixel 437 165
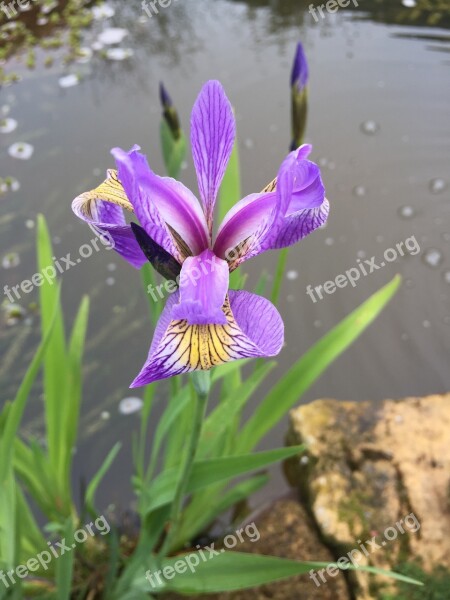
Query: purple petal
pixel 204 284
pixel 300 71
pixel 108 221
pixel 212 138
pixel 181 348
pixel 278 218
pixel 163 206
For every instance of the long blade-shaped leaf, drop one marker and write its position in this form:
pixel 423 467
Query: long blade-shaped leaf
pixel 305 371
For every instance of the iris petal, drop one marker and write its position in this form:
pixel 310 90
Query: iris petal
pixel 181 348
pixel 212 137
pixel 103 208
pixel 166 209
pixel 290 208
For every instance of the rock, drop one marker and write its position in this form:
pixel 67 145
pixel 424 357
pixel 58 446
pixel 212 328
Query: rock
pixel 287 531
pixel 376 480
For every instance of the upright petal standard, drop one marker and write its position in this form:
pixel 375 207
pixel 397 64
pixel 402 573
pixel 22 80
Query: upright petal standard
pixel 204 323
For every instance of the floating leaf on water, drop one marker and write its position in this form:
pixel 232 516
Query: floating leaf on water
pixel 112 35
pixel 292 275
pixel 7 125
pixel 119 53
pixel 437 185
pixel 406 212
pixel 14 313
pixel 84 55
pixel 359 191
pixel 9 184
pixel 97 47
pixel 433 257
pixel 11 260
pixel 21 150
pixel 104 11
pixel 370 127
pixel 69 81
pixel 128 406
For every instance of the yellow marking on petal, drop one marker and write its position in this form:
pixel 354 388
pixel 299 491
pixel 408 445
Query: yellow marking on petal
pixel 271 187
pixel 203 346
pixel 111 190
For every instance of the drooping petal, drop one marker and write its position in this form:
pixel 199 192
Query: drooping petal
pixel 102 209
pixel 166 209
pixel 204 284
pixel 290 208
pixel 212 137
pixel 178 347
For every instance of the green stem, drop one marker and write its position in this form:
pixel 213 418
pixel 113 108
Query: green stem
pixel 282 260
pixel 202 382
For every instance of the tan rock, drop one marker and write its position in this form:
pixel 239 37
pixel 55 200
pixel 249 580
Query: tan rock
pixel 377 472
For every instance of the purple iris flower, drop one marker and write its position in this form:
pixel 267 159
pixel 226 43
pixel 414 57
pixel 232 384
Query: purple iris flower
pixel 204 323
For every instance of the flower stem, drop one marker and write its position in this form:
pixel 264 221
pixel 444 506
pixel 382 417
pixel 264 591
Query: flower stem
pixel 201 381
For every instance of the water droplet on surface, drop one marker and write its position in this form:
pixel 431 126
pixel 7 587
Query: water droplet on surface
pixel 128 406
pixel 426 324
pixel 105 415
pixel 370 127
pixel 359 191
pixel 432 257
pixel 110 281
pixel 292 275
pixel 437 185
pixel 69 81
pixel 112 35
pixel 29 224
pixel 329 241
pixel 7 125
pixel 112 267
pixel 21 151
pixel 406 212
pixel 11 260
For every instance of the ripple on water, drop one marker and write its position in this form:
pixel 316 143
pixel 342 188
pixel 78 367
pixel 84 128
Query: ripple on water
pixel 437 185
pixel 406 212
pixel 432 257
pixel 370 127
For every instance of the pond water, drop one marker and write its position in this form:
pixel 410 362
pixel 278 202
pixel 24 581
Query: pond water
pixel 379 122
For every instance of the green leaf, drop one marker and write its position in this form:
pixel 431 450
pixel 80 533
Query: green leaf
pixel 311 365
pixel 93 486
pixel 64 567
pixel 197 518
pixel 229 571
pixel 212 471
pixel 221 419
pixel 55 365
pixel 279 274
